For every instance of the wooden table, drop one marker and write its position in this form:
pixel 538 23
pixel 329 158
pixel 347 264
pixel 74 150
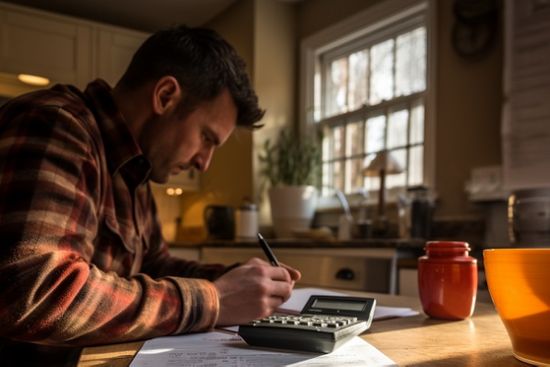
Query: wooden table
pixel 412 341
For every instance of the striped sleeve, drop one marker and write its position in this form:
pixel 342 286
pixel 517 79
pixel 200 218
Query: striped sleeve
pixel 50 291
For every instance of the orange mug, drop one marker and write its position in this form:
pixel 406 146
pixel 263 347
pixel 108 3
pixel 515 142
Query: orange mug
pixel 447 280
pixel 518 283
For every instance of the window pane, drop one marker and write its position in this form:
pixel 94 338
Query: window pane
pixel 419 54
pixel 357 93
pixel 399 179
pixel 381 81
pixel 397 128
pixel 375 133
pixel 337 142
pixel 327 177
pixel 354 178
pixel 410 63
pixel 354 139
pixel 371 183
pixel 416 163
pixel 338 175
pixel 326 144
pixel 336 93
pixel 417 123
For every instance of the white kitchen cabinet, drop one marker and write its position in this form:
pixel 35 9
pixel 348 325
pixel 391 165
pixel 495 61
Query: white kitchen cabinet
pixel 344 268
pixel 186 253
pixel 408 282
pixel 45 44
pixel 115 48
pixel 63 49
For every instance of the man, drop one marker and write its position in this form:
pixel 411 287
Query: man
pixel 82 261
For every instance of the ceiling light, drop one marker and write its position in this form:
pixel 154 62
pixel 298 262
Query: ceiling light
pixel 33 80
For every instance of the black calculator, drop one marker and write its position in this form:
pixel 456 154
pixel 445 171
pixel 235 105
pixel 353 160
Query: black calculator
pixel 325 323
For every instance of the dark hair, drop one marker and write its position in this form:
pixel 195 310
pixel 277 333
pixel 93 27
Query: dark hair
pixel 202 62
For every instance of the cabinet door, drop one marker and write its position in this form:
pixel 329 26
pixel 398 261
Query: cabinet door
pixel 39 43
pixel 189 254
pixel 331 268
pixel 115 48
pixel 228 256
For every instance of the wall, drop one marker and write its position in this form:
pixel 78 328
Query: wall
pixel 275 55
pixel 229 177
pixel 467 108
pixel 263 33
pixel 469 97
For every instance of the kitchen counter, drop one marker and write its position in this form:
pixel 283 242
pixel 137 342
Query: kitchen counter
pixel 395 243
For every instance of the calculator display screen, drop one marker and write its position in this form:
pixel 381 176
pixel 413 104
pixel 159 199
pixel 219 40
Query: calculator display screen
pixel 339 304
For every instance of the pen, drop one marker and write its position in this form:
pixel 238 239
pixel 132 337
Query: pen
pixel 270 255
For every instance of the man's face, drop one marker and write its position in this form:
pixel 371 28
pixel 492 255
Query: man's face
pixel 173 143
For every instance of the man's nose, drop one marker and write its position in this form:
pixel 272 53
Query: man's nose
pixel 203 159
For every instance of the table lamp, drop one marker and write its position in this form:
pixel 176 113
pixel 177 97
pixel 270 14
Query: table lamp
pixel 383 164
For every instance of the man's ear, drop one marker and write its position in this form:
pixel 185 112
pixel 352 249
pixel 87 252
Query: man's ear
pixel 166 94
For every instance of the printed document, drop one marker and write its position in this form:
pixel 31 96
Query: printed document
pixel 220 348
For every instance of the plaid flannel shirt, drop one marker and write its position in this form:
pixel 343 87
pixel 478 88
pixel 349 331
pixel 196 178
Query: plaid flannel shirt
pixel 82 260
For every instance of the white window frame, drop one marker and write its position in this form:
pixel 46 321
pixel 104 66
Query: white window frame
pixel 351 29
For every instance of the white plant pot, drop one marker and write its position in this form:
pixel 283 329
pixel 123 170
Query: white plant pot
pixel 292 208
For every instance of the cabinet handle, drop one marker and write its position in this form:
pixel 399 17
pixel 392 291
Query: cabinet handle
pixel 345 274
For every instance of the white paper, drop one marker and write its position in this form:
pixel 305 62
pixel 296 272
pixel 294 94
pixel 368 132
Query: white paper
pixel 299 298
pixel 229 350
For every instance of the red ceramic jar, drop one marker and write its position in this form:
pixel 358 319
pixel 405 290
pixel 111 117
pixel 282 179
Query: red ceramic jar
pixel 447 280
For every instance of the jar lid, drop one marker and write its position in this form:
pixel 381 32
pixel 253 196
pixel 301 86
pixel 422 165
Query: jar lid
pixel 444 245
pixel 248 206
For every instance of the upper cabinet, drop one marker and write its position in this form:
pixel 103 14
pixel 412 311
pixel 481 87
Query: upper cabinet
pixel 44 44
pixel 61 48
pixel 115 48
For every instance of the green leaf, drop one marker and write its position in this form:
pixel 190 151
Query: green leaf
pixel 292 160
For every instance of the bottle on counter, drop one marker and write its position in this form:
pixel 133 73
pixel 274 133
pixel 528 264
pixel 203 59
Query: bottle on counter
pixel 420 206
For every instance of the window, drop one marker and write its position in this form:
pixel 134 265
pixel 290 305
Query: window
pixel 369 94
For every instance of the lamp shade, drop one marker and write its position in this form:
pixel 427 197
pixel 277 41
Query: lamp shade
pixel 383 161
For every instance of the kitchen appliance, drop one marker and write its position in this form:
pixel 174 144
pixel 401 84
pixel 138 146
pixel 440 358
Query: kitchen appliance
pixel 529 217
pixel 415 213
pixel 220 222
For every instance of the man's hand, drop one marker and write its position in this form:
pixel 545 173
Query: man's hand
pixel 253 290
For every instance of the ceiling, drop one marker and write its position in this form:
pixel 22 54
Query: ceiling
pixel 145 15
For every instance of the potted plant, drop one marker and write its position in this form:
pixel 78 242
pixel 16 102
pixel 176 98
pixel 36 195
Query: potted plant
pixel 291 166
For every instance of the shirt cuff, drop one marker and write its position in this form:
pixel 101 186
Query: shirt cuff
pixel 200 304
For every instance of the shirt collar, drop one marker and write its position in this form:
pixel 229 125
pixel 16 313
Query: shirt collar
pixel 121 149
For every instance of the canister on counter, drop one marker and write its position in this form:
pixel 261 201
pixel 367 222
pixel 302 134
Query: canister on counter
pixel 246 220
pixel 447 280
